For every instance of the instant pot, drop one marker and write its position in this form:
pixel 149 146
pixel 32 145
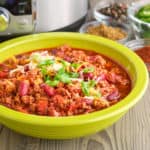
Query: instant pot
pixel 27 16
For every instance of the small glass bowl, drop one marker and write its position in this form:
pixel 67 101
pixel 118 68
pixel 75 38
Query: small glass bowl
pixel 124 27
pixel 102 17
pixel 141 29
pixel 99 16
pixel 137 44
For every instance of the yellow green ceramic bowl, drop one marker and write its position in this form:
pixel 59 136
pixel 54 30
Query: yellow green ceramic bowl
pixel 81 125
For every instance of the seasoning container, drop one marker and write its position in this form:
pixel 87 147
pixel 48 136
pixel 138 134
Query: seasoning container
pixel 107 29
pixel 144 13
pixel 142 48
pixel 138 15
pixel 106 10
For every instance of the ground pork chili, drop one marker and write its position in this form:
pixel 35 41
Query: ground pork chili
pixel 61 81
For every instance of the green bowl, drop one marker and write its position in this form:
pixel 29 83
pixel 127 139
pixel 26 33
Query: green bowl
pixel 81 125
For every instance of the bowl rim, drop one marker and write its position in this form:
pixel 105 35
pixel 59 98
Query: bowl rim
pixel 98 15
pixel 135 44
pixel 126 103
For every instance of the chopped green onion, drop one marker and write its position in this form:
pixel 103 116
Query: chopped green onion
pixel 61 71
pixel 46 63
pixel 92 83
pixel 75 65
pixel 85 88
pixel 44 70
pixel 61 76
pixel 52 83
pixel 65 63
pixel 47 78
pixel 64 77
pixel 89 69
pixel 73 75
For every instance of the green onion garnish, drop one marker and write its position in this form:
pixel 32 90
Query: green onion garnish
pixel 89 69
pixel 46 63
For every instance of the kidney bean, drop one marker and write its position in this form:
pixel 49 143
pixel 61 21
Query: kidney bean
pixel 54 51
pixel 69 59
pixel 111 77
pixel 88 101
pixel 101 77
pixel 26 68
pixel 50 91
pixel 3 74
pixel 23 87
pixel 113 96
pixel 88 75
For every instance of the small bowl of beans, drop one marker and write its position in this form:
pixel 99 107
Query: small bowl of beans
pixel 105 10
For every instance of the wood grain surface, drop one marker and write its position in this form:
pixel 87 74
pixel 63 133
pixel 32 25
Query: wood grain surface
pixel 131 132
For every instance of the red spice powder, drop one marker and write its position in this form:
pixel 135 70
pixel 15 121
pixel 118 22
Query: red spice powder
pixel 144 53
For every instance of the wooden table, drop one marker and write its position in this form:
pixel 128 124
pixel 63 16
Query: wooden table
pixel 131 132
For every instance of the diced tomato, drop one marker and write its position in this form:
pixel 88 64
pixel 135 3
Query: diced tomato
pixel 53 112
pixel 42 107
pixel 3 74
pixel 27 99
pixel 72 108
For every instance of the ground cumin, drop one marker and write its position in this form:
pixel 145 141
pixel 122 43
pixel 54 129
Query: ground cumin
pixel 113 33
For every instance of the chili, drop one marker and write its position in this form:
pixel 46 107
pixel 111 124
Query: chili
pixel 62 81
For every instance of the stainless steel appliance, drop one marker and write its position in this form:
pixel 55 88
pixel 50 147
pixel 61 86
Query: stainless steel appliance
pixel 27 16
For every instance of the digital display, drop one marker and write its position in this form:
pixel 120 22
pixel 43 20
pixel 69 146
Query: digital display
pixel 17 7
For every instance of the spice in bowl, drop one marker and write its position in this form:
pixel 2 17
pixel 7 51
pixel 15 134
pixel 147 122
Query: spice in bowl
pixel 113 33
pixel 144 53
pixel 142 48
pixel 118 11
